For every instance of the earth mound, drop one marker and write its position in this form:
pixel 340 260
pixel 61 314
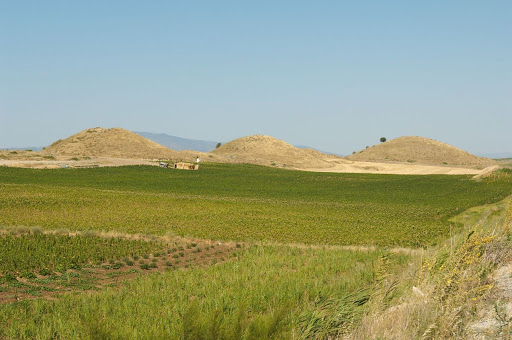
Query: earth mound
pixel 266 150
pixel 115 143
pixel 420 150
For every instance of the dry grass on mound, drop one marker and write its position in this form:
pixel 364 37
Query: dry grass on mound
pixel 102 147
pixel 266 150
pixel 116 142
pixel 420 150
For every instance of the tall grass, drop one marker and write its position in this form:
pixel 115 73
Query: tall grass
pixel 270 291
pixel 455 286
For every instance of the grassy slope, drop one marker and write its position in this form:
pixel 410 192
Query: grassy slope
pixel 463 295
pixel 245 203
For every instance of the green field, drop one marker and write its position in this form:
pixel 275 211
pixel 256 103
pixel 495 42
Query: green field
pixel 288 279
pixel 242 202
pixel 60 252
pixel 268 292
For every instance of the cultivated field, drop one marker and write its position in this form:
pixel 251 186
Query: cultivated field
pixel 245 202
pixel 232 251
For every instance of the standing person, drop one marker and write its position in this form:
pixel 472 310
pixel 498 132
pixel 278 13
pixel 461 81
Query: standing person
pixel 198 160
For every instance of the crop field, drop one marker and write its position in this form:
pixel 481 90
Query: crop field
pixel 49 252
pixel 243 203
pixel 269 291
pixel 232 251
pixel 35 264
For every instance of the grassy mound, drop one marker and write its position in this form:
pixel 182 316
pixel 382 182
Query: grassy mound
pixel 420 150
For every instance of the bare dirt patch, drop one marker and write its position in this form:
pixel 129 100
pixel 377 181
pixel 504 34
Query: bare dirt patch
pixel 400 169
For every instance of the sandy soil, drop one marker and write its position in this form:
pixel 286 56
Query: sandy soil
pixel 400 169
pixel 333 165
pixel 494 321
pixel 66 163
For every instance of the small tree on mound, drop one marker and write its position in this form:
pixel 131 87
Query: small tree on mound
pixel 382 139
pixel 218 145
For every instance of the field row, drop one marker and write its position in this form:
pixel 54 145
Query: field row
pixel 37 264
pixel 27 251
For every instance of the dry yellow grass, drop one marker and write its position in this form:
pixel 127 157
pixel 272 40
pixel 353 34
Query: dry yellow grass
pixel 461 290
pixel 266 150
pixel 115 147
pixel 420 150
pixel 115 142
pixel 106 145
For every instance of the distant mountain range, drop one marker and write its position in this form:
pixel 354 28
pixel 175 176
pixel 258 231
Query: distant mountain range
pixel 497 155
pixel 33 148
pixel 178 143
pixel 326 152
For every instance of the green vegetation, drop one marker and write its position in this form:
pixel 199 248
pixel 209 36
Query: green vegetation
pixel 261 289
pixel 242 202
pixel 36 251
pixel 266 291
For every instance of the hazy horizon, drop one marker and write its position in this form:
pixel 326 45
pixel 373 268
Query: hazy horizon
pixel 335 76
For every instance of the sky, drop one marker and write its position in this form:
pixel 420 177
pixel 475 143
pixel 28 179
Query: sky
pixel 334 75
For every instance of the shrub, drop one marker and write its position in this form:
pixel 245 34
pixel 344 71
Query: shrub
pixel 117 265
pixel 8 278
pixel 28 275
pixel 45 272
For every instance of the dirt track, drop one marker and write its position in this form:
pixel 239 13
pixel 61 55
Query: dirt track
pixel 64 163
pixel 399 169
pixel 336 166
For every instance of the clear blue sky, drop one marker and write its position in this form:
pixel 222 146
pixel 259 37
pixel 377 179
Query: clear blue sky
pixel 335 75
